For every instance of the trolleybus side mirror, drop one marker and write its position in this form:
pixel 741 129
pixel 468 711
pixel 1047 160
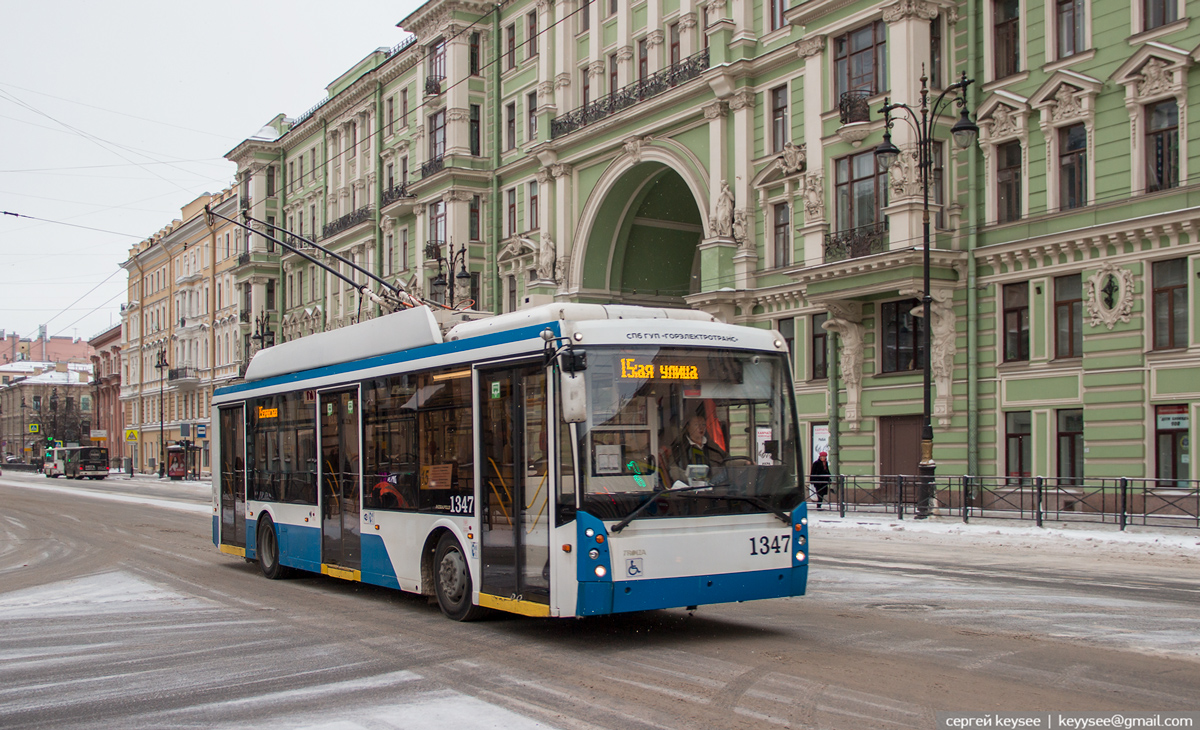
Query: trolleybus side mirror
pixel 574 397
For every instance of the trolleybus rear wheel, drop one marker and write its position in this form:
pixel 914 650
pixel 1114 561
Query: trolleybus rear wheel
pixel 452 580
pixel 268 550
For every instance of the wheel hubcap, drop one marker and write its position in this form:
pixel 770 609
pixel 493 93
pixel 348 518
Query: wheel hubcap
pixel 452 575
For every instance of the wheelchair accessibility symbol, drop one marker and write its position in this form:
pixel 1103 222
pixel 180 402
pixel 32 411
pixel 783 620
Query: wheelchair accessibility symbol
pixel 633 567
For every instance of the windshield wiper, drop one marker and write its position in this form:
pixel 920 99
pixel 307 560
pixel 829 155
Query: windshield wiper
pixel 756 501
pixel 642 508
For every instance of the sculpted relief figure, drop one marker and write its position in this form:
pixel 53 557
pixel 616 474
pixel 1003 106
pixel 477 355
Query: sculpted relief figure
pixel 739 226
pixel 722 217
pixel 546 256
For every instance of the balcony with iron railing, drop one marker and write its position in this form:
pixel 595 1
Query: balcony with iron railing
pixel 856 242
pixel 433 166
pixel 362 215
pixel 433 85
pixel 182 375
pixel 243 258
pixel 396 192
pixel 433 249
pixel 245 203
pixel 244 316
pixel 627 96
pixel 855 106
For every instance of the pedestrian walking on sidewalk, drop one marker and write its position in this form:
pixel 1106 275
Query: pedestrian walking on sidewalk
pixel 819 477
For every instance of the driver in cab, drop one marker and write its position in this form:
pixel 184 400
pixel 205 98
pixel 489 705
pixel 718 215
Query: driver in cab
pixel 697 448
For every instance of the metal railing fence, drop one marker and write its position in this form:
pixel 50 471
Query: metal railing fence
pixel 1120 501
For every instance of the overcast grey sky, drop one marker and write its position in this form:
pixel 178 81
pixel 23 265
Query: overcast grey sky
pixel 114 115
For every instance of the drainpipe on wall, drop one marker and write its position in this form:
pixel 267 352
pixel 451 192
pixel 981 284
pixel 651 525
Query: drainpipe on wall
pixel 495 138
pixel 972 290
pixel 831 363
pixel 379 180
pixel 324 214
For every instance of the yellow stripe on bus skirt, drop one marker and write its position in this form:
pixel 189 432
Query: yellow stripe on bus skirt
pixel 512 605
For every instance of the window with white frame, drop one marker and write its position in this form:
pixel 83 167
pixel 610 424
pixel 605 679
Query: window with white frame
pixel 533 206
pixel 531 26
pixel 779 118
pixel 1156 94
pixel 782 233
pixel 860 60
pixel 1154 14
pixel 1009 174
pixel 1072 166
pixel 510 126
pixel 774 14
pixel 531 119
pixel 1006 38
pixel 1067 120
pixel 1069 25
pixel 1162 145
pixel 511 218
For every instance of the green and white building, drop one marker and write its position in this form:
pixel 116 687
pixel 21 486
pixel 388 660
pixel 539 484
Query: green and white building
pixel 681 153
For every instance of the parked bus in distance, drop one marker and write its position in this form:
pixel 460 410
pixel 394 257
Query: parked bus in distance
pixel 76 462
pixel 565 460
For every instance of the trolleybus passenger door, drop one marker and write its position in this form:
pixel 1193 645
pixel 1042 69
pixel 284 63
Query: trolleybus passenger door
pixel 233 476
pixel 340 479
pixel 516 485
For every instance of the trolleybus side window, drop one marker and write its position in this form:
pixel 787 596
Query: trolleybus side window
pixel 418 442
pixel 390 448
pixel 281 449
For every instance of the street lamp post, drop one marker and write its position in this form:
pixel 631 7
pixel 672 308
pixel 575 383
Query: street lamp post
pixel 54 413
pixel 459 257
pixel 24 430
pixel 162 366
pixel 922 120
pixel 263 333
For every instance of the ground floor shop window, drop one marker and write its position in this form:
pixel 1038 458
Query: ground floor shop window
pixel 1172 443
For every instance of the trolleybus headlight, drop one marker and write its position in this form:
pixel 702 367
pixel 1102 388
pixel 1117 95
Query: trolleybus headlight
pixel 801 539
pixel 589 532
pixel 601 571
pixel 578 336
pixel 593 553
pixel 804 520
pixel 800 555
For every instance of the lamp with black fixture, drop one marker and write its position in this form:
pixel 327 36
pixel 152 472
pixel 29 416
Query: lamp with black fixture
pixel 263 334
pixel 922 119
pixel 439 285
pixel 161 364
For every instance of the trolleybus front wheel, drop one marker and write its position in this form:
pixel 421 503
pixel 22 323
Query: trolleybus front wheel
pixel 452 580
pixel 268 550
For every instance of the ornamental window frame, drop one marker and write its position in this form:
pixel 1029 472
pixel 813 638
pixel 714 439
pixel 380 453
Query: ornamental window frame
pixel 1067 99
pixel 1137 16
pixel 1155 73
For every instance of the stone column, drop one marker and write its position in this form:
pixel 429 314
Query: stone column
pixel 908 38
pixel 746 258
pixel 564 233
pixel 812 193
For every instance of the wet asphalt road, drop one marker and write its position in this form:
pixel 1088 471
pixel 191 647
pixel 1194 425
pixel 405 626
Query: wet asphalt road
pixel 122 614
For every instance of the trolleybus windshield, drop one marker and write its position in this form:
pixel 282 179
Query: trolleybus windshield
pixel 697 431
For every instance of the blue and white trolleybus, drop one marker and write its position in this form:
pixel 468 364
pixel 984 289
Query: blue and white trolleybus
pixel 566 460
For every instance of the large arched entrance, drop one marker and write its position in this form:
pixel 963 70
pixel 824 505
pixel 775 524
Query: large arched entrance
pixel 641 247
